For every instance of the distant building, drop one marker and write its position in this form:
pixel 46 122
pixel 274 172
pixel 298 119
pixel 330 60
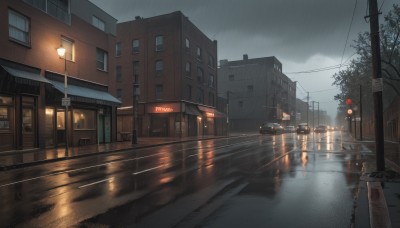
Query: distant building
pixel 173 67
pixel 257 91
pixel 32 74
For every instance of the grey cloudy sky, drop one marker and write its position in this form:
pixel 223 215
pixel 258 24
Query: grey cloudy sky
pixel 302 34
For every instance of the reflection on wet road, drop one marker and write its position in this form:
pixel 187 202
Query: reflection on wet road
pixel 253 180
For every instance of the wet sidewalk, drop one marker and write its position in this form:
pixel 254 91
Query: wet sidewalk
pixel 378 201
pixel 22 158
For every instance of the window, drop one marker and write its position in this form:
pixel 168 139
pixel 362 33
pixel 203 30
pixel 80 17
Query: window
pixel 136 71
pixel 200 75
pixel 188 69
pixel 159 43
pixel 159 67
pixel 101 59
pixel 56 8
pixel 40 4
pixel 189 92
pixel 135 46
pixel 210 61
pixel 18 27
pixel 187 43
pixel 118 49
pixel 98 23
pixel 69 48
pixel 159 92
pixel 250 88
pixel 231 77
pixel 4 118
pixel 59 9
pixel 84 119
pixel 198 52
pixel 118 73
pixel 240 104
pixel 27 120
pixel 211 99
pixel 119 94
pixel 200 96
pixel 211 82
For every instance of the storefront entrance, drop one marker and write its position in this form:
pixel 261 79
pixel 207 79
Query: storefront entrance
pixel 159 126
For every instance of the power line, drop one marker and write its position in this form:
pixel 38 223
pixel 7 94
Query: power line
pixel 318 91
pixel 318 69
pixel 348 33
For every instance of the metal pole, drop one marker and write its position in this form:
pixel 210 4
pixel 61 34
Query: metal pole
pixel 361 118
pixel 377 83
pixel 318 113
pixel 66 106
pixel 227 113
pixel 313 115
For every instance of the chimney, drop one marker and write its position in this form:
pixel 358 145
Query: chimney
pixel 245 57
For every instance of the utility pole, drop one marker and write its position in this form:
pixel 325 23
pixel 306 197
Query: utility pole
pixel 318 113
pixel 227 113
pixel 361 118
pixel 377 84
pixel 308 104
pixel 313 115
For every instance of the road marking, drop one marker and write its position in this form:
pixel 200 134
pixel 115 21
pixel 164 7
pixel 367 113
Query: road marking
pixel 97 182
pixel 147 170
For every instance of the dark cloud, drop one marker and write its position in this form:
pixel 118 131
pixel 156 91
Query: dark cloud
pixel 295 31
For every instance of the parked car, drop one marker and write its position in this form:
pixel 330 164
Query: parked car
pixel 303 128
pixel 271 128
pixel 290 129
pixel 321 129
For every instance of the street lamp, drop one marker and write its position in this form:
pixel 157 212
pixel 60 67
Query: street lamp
pixel 65 101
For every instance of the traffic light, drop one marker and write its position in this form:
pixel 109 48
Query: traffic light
pixel 349 101
pixel 349 112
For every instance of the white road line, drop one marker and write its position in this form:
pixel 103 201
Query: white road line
pixel 97 182
pixel 147 170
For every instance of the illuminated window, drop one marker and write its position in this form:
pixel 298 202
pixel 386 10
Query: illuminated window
pixel 84 119
pixel 27 120
pixel 19 27
pixel 4 118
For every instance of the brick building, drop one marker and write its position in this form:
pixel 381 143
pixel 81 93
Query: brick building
pixel 257 91
pixel 174 66
pixel 32 73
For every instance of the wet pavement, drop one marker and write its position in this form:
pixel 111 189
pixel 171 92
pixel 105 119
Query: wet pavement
pixel 321 180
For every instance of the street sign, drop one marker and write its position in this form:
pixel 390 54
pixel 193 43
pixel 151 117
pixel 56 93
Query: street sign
pixel 65 101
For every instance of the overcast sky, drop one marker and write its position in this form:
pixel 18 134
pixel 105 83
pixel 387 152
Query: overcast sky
pixel 302 34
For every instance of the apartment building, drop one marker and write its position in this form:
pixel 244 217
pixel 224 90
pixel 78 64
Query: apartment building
pixel 32 74
pixel 166 70
pixel 257 91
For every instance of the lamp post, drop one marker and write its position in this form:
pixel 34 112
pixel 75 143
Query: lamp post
pixel 65 101
pixel 136 94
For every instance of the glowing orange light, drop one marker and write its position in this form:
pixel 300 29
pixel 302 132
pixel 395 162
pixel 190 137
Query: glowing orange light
pixel 163 109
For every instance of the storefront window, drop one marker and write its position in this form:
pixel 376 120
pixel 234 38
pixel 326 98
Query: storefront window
pixel 4 118
pixel 49 128
pixel 27 120
pixel 5 100
pixel 84 119
pixel 60 120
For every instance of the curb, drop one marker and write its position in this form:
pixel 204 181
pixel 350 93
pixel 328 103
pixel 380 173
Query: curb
pixel 378 210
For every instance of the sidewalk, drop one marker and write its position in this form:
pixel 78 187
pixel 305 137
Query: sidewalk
pixel 22 158
pixel 378 201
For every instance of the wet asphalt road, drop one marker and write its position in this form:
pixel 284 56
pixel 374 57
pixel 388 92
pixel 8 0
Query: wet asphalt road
pixel 256 180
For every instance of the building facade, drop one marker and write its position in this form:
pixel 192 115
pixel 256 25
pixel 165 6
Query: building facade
pixel 32 74
pixel 166 72
pixel 257 91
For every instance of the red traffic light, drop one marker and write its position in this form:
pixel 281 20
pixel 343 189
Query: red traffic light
pixel 349 101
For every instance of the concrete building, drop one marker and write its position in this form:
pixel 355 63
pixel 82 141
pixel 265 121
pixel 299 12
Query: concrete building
pixel 257 91
pixel 166 70
pixel 32 74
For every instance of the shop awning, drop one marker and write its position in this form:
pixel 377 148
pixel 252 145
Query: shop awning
pixel 192 110
pixel 210 112
pixel 88 94
pixel 24 75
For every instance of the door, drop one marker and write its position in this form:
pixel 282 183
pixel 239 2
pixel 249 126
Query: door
pixel 100 128
pixel 60 127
